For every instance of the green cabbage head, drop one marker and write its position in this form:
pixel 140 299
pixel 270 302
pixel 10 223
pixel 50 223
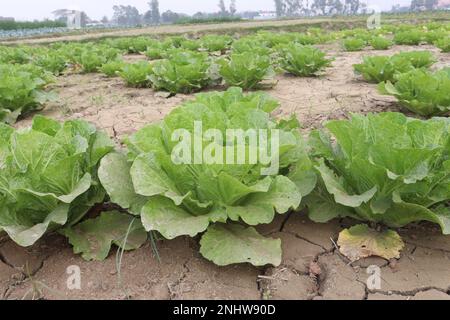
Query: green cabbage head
pixel 224 200
pixel 383 168
pixel 48 176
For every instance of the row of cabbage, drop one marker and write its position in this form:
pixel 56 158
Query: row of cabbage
pixel 383 168
pixel 185 65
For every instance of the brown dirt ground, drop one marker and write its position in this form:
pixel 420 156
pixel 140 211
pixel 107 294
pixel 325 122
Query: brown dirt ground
pixel 312 268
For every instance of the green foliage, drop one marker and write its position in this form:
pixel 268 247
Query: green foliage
pixel 137 74
pixel 354 44
pixel 380 43
pixel 13 55
pixel 434 35
pixel 383 168
pixel 192 45
pixel 155 52
pixel 272 39
pixel 51 61
pixel 178 197
pixel 250 45
pixel 245 70
pixel 190 20
pixel 418 59
pixel 89 57
pixel 443 44
pixel 303 61
pixel 381 68
pixel 183 72
pixel 411 37
pixel 306 39
pixel 422 92
pixel 93 238
pixel 48 176
pixel 214 43
pixel 22 89
pixel 112 68
pixel 18 25
pixel 132 44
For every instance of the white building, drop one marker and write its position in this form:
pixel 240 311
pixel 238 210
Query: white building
pixel 266 15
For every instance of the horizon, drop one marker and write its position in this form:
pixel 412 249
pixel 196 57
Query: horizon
pixel 43 9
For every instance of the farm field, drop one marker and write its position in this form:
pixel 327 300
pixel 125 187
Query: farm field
pixel 313 78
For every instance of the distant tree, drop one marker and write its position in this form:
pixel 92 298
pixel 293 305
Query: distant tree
pixel 280 8
pixel 431 4
pixel 222 9
pixel 320 7
pixel 336 7
pixel 170 17
pixel 154 8
pixel 417 5
pixel 293 7
pixel 233 8
pixel 105 20
pixel 147 17
pixel 353 7
pixel 199 15
pixel 126 15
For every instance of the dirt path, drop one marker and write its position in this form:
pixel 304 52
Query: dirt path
pixel 311 268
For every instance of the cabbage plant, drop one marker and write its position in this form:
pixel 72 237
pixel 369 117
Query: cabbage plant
pixel 302 60
pixel 214 42
pixel 180 190
pixel 382 168
pixel 423 92
pixel 48 176
pixel 354 44
pixel 418 59
pixel 112 68
pixel 183 72
pixel 411 37
pixel 443 44
pixel 380 43
pixel 245 70
pixel 382 68
pixel 136 74
pixel 22 90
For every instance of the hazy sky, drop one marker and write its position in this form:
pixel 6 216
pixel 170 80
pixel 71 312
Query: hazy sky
pixel 38 9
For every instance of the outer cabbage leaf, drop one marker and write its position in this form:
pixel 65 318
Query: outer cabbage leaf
pixel 48 176
pixel 93 238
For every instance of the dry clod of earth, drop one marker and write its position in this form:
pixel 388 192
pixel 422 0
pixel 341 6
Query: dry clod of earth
pixel 287 284
pixel 425 295
pixel 319 234
pixel 417 269
pixel 22 259
pixel 298 254
pixel 339 280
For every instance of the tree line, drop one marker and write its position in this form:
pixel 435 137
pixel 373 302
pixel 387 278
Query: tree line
pixel 293 8
pixel 129 15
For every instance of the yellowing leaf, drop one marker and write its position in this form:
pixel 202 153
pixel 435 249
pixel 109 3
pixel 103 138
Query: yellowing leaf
pixel 361 242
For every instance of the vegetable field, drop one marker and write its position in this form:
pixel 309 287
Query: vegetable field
pixel 114 157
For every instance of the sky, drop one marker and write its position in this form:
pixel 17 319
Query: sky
pixel 39 9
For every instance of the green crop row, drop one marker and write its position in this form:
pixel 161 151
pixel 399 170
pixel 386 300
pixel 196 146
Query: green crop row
pixel 381 168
